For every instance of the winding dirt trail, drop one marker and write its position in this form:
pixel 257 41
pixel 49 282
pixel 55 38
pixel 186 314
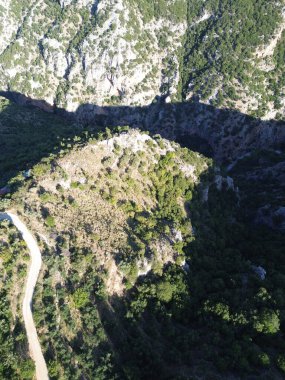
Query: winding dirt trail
pixel 34 270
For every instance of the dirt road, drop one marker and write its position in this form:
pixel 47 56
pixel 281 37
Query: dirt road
pixel 35 266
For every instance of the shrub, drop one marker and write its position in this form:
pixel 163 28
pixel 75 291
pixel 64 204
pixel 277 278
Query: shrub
pixel 27 369
pixel 164 291
pixel 264 359
pixel 80 298
pixel 41 169
pixel 50 221
pixel 281 362
pixel 107 161
pixel 267 322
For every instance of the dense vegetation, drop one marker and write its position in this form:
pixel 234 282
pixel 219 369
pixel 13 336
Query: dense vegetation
pixel 76 345
pixel 219 316
pixel 219 51
pixel 176 10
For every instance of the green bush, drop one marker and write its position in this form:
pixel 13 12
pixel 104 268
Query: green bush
pixel 264 359
pixel 281 362
pixel 267 322
pixel 164 291
pixel 50 222
pixel 80 298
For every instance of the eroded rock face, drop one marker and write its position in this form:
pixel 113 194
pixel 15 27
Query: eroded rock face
pixel 86 51
pixel 8 24
pixel 125 52
pixel 64 3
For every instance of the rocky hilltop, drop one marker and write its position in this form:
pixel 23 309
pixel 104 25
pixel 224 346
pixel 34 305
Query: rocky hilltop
pixel 250 149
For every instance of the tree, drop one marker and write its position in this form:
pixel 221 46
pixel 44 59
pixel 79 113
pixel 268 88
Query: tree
pixel 267 322
pixel 80 298
pixel 164 291
pixel 27 369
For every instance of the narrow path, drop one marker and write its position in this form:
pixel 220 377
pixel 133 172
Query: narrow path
pixel 34 270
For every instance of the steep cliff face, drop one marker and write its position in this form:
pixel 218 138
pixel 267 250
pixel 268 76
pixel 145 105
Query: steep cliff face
pixel 9 24
pixel 100 52
pixel 124 52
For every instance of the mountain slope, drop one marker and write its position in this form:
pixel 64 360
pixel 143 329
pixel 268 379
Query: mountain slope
pixel 102 52
pixel 86 51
